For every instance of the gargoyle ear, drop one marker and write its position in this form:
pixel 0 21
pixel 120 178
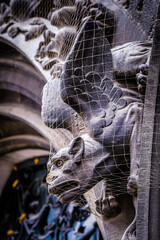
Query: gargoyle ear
pixel 77 148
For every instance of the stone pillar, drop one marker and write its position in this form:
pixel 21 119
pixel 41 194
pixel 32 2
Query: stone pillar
pixel 148 218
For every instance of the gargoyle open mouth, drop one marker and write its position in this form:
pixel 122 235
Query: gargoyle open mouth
pixel 65 188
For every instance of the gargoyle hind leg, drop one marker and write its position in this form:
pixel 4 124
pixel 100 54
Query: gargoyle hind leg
pixel 135 145
pixel 107 204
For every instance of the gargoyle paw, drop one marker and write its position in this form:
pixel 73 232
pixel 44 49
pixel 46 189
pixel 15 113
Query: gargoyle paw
pixel 142 77
pixel 132 185
pixel 108 207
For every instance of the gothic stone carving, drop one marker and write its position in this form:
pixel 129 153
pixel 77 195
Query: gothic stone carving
pixel 58 24
pixel 112 115
pixel 107 92
pixel 97 88
pixel 125 63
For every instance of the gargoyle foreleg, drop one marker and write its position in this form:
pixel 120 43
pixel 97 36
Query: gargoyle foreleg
pixel 135 145
pixel 107 204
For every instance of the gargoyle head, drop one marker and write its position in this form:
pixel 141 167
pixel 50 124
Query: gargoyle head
pixel 72 169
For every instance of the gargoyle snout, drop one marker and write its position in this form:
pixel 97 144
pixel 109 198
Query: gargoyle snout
pixel 51 177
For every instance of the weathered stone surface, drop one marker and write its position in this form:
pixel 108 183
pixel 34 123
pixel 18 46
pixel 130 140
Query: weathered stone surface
pixel 103 107
pixel 98 55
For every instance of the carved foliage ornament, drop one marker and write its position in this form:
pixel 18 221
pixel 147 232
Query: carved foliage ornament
pixel 57 21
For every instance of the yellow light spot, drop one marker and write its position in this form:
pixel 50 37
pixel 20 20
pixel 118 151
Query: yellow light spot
pixel 15 183
pixel 15 168
pixel 36 160
pixel 22 217
pixel 10 232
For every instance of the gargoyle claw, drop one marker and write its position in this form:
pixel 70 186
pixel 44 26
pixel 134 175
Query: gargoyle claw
pixel 142 77
pixel 108 207
pixel 132 185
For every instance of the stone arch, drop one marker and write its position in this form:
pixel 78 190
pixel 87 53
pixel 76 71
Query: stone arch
pixel 23 135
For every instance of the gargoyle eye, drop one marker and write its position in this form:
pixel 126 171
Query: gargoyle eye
pixel 59 163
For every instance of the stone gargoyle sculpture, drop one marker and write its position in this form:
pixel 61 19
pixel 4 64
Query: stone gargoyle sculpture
pixel 99 85
pixel 112 114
